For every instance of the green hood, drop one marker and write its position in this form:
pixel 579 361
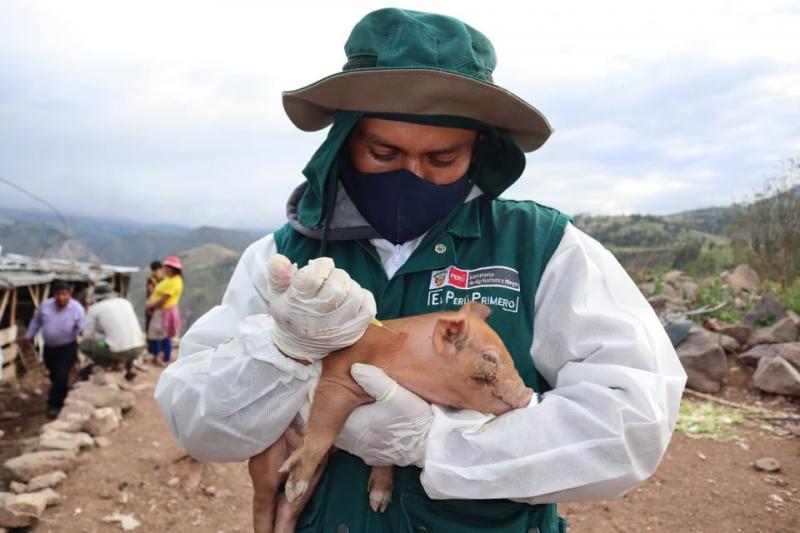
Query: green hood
pixel 499 163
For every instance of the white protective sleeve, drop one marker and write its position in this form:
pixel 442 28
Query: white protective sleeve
pixel 603 428
pixel 231 393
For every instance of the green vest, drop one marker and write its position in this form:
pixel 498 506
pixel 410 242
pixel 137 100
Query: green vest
pixel 493 251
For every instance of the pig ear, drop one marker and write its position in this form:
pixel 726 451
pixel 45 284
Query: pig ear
pixel 477 309
pixel 450 334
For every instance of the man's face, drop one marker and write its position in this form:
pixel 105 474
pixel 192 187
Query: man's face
pixel 439 155
pixel 61 297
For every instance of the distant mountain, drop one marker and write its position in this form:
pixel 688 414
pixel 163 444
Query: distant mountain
pixel 144 246
pixel 82 223
pixel 39 233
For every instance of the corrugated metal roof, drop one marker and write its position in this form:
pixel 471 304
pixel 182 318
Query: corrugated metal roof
pixel 19 270
pixel 22 278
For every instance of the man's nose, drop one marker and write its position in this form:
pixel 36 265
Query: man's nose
pixel 415 165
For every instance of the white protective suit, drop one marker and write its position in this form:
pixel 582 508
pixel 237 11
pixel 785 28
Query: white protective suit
pixel 602 429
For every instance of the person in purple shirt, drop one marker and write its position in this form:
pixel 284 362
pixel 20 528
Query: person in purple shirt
pixel 60 319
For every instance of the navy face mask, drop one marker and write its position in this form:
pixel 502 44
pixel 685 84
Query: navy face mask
pixel 399 204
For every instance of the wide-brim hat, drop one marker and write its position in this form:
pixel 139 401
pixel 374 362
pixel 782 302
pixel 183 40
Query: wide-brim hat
pixel 103 291
pixel 415 63
pixel 173 261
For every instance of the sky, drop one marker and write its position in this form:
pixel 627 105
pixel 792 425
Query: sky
pixel 170 112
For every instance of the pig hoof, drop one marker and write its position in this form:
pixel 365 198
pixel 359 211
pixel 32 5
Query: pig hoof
pixel 294 491
pixel 291 462
pixel 379 500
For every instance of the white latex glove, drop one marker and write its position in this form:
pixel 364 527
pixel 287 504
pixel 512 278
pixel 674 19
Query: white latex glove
pixel 391 431
pixel 317 309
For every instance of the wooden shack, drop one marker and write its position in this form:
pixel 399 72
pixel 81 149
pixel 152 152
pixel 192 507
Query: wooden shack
pixel 26 282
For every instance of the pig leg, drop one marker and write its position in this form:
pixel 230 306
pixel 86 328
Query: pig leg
pixel 289 512
pixel 381 483
pixel 266 482
pixel 333 403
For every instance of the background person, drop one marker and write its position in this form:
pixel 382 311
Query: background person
pixel 112 334
pixel 166 319
pixel 60 319
pixel 156 275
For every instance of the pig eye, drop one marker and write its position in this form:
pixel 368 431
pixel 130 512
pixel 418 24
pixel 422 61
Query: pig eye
pixel 489 357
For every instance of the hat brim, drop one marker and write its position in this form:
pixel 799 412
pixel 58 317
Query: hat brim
pixel 105 296
pixel 416 92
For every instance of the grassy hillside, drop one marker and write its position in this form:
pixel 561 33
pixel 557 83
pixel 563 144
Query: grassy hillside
pixel 207 269
pixel 694 240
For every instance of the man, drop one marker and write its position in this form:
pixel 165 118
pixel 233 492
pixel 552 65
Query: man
pixel 112 334
pixel 60 319
pixel 156 275
pixel 402 194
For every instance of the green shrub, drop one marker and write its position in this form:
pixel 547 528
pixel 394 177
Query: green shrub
pixel 788 295
pixel 712 295
pixel 711 261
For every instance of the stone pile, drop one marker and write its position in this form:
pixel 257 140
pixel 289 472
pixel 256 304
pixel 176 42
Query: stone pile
pixel 767 338
pixel 93 409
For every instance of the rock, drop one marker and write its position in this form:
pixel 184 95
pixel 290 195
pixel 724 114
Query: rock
pixel 27 466
pixel 648 288
pixel 17 487
pixel 776 375
pixel 77 406
pixel 102 422
pixel 678 286
pixel 743 279
pixel 788 350
pixel 101 396
pixel 46 481
pixel 768 309
pixel 740 332
pixel 9 415
pixel 128 522
pixel 704 361
pixel 174 481
pixel 103 442
pixel 51 497
pixel 210 490
pixel 70 423
pixel 61 440
pixel 112 379
pixel 660 304
pixel 713 324
pixel 12 520
pixel 783 330
pixel 31 504
pixel 795 318
pixel 729 344
pixel 767 464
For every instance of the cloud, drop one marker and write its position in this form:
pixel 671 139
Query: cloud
pixel 171 112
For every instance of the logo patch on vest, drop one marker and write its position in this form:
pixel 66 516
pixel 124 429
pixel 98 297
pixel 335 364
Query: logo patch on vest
pixel 453 286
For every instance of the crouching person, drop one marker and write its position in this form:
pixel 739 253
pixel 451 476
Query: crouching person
pixel 112 334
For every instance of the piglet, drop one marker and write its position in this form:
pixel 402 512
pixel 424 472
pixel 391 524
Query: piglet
pixel 449 358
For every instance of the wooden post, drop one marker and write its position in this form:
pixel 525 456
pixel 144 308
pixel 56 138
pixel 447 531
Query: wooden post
pixel 4 304
pixel 14 305
pixel 33 290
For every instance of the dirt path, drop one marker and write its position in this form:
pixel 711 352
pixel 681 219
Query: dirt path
pixel 702 485
pixel 133 475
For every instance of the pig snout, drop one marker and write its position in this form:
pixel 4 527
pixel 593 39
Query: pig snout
pixel 522 399
pixel 514 394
